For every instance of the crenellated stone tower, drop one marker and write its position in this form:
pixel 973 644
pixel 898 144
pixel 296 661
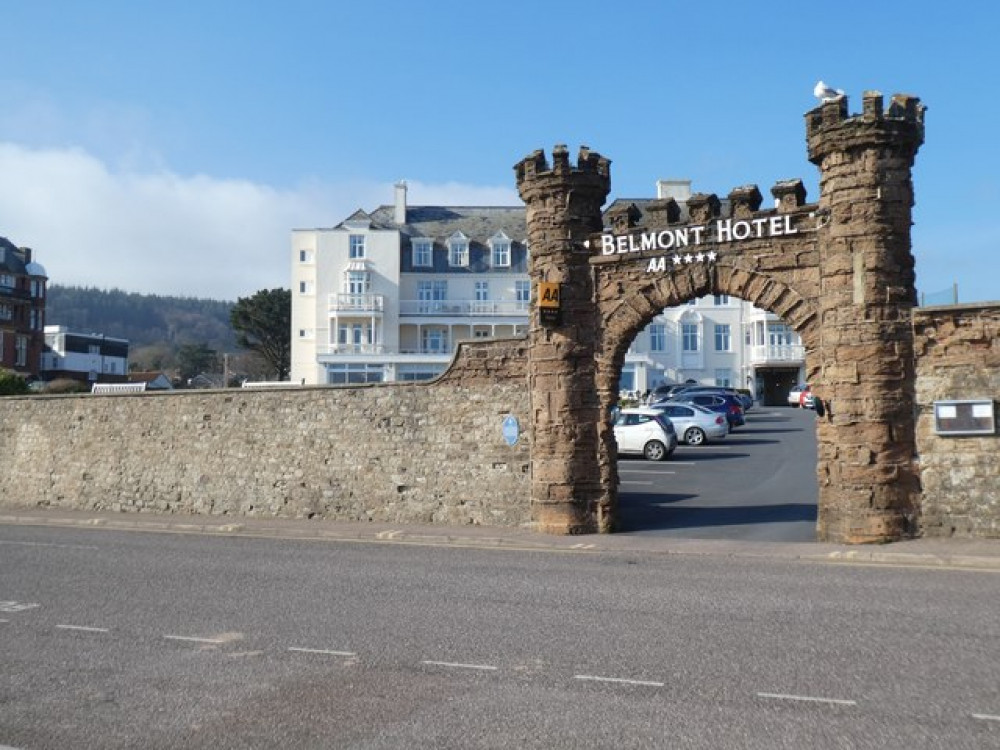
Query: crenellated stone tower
pixel 563 205
pixel 868 481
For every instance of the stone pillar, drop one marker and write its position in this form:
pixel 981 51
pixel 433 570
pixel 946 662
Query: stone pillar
pixel 563 209
pixel 868 481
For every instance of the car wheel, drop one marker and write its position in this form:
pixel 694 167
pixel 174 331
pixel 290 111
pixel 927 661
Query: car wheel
pixel 654 450
pixel 694 436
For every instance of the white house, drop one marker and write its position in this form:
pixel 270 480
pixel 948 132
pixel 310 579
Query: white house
pixel 89 357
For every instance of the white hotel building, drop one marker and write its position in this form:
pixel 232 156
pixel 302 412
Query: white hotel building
pixel 386 295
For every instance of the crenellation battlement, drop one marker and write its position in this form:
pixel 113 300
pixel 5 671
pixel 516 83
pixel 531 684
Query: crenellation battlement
pixel 830 127
pixel 590 166
pixel 744 201
pixel 703 207
pixel 834 112
pixel 789 195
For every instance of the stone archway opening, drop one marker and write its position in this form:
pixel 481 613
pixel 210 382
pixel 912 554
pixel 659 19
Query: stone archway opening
pixel 759 482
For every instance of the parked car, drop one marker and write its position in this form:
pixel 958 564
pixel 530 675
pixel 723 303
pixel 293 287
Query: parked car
pixel 795 395
pixel 717 401
pixel 694 424
pixel 645 431
pixel 664 392
pixel 743 396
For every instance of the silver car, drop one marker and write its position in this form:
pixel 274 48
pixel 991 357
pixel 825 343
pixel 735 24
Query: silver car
pixel 695 425
pixel 645 431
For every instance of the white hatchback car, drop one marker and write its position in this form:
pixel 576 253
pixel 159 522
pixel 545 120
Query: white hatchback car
pixel 646 432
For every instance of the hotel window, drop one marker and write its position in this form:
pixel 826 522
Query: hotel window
pixel 722 337
pixel 6 280
pixel 522 294
pixel 724 378
pixel 721 300
pixel 458 250
pixel 482 291
pixel 657 337
pixel 501 251
pixel 689 337
pixel 37 288
pixel 305 256
pixel 21 351
pixel 422 253
pixel 357 282
pixel 305 287
pixel 6 312
pixel 357 246
pixel 431 294
pixel 434 340
pixel 354 373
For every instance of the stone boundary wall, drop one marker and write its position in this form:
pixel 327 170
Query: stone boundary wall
pixel 958 357
pixel 426 452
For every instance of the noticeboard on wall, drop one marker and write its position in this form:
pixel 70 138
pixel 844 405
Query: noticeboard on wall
pixel 967 417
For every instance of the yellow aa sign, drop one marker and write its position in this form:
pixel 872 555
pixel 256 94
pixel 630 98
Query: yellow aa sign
pixel 548 294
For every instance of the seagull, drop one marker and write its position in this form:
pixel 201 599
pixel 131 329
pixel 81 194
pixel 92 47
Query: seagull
pixel 825 93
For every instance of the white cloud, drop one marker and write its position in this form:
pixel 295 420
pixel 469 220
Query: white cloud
pixel 162 233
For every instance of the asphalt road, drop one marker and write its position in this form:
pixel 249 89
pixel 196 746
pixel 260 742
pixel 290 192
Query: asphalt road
pixel 112 639
pixel 758 484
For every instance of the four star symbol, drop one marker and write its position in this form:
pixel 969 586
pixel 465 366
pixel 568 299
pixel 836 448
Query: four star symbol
pixel 679 260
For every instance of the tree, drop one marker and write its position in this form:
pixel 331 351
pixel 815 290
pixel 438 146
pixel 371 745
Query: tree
pixel 195 359
pixel 263 324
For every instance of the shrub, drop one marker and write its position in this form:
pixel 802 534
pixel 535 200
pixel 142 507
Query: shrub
pixel 66 385
pixel 12 384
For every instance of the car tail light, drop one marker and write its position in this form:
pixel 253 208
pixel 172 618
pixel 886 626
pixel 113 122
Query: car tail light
pixel 720 420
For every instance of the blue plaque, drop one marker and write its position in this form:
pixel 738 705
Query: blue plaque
pixel 511 429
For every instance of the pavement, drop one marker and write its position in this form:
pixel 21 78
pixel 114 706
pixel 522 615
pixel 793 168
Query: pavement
pixel 978 554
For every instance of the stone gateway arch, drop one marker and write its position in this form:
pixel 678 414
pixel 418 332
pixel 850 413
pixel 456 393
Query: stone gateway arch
pixel 839 271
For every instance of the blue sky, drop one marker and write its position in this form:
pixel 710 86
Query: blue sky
pixel 171 147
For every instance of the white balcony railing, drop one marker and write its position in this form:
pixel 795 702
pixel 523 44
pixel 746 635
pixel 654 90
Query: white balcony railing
pixel 370 349
pixel 464 308
pixel 355 349
pixel 359 303
pixel 765 354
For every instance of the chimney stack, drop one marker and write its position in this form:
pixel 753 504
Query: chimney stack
pixel 399 215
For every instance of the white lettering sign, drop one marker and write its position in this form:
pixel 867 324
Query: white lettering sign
pixel 722 231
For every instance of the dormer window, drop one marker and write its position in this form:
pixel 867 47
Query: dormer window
pixel 500 250
pixel 357 246
pixel 423 250
pixel 458 250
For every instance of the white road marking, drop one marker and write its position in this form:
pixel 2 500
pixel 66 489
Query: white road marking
pixel 49 544
pixel 630 470
pixel 619 680
pixel 216 641
pixel 637 484
pixel 986 717
pixel 84 628
pixel 4 620
pixel 17 606
pixel 328 652
pixel 581 545
pixel 808 699
pixel 455 665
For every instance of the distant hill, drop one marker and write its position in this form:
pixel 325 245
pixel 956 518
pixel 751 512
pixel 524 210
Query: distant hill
pixel 163 332
pixel 143 319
